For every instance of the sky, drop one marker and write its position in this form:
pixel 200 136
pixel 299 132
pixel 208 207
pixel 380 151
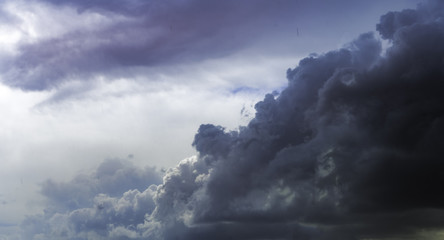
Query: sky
pixel 196 119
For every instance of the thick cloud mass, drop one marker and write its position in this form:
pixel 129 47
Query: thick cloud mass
pixel 351 149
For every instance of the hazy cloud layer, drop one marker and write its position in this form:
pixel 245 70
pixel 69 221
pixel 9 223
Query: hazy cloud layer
pixel 351 149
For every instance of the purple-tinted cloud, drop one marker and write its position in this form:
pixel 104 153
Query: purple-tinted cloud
pixel 153 33
pixel 144 34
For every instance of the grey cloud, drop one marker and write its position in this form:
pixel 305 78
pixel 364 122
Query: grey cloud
pixel 395 22
pixel 127 8
pixel 7 17
pixel 113 178
pixel 107 204
pixel 153 33
pixel 391 22
pixel 352 146
pixel 351 149
pixel 107 218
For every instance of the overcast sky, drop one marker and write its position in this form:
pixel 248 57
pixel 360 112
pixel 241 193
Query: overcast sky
pixel 103 101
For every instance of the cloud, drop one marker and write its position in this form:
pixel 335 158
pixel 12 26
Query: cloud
pixel 353 139
pixel 116 196
pixel 351 149
pixel 118 118
pixel 113 177
pixel 134 36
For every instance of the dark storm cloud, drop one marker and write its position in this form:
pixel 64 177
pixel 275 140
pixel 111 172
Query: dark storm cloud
pixel 152 33
pixel 351 149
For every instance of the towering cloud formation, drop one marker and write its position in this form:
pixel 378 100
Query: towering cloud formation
pixel 351 149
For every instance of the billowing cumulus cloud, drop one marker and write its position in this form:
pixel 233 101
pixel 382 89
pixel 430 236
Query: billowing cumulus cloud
pixel 113 177
pixel 351 149
pixel 113 198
